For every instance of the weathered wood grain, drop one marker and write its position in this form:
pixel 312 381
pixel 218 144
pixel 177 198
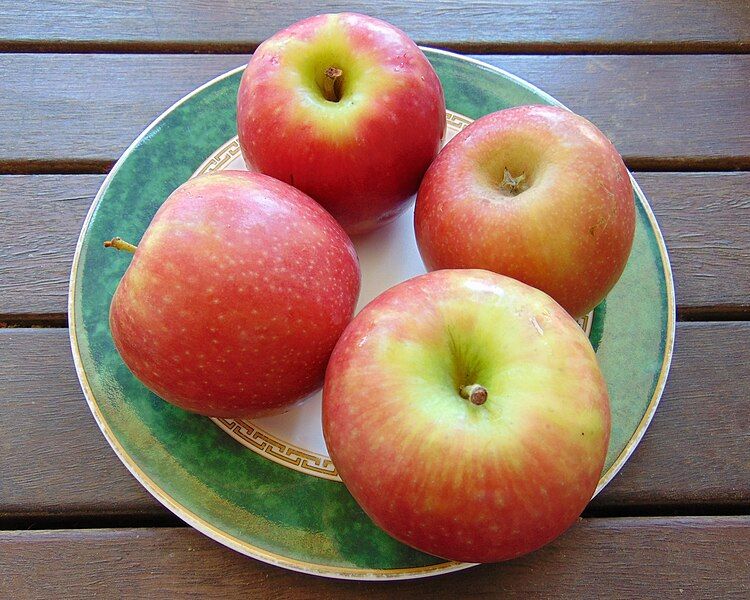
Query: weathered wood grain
pixel 705 220
pixel 696 451
pixel 55 461
pixel 703 217
pixel 41 217
pixel 484 25
pixel 73 113
pixel 698 557
pixel 684 110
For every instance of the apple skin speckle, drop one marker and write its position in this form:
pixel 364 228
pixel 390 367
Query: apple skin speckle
pixel 218 339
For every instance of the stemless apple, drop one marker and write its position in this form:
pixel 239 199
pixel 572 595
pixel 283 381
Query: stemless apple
pixel 346 108
pixel 235 297
pixel 466 413
pixel 536 193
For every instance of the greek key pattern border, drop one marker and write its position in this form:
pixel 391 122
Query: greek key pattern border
pixel 220 158
pixel 283 453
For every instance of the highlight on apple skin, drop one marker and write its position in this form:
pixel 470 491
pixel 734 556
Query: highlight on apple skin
pixel 346 108
pixel 235 296
pixel 467 415
pixel 537 193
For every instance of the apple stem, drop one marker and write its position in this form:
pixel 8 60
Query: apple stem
pixel 475 393
pixel 333 77
pixel 119 244
pixel 513 185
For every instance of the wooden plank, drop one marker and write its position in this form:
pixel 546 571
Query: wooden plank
pixel 41 216
pixel 661 112
pixel 701 215
pixel 699 557
pixel 499 26
pixel 79 112
pixel 696 452
pixel 704 218
pixel 57 462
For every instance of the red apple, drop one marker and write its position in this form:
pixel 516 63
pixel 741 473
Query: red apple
pixel 346 108
pixel 235 297
pixel 536 193
pixel 467 415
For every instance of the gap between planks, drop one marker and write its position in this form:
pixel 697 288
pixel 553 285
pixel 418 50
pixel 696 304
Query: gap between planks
pixel 36 522
pixel 466 47
pixel 707 314
pixel 698 164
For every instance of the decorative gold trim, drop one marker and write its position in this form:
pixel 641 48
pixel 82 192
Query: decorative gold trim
pixel 219 158
pixel 283 453
pixel 585 323
pixel 456 120
pixel 225 154
pixel 270 557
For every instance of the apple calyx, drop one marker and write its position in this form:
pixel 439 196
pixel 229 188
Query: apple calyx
pixel 119 244
pixel 513 185
pixel 332 84
pixel 475 393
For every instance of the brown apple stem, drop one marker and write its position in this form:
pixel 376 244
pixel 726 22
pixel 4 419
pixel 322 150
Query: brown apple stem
pixel 119 244
pixel 513 185
pixel 474 393
pixel 331 82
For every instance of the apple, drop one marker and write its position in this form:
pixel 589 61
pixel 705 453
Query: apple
pixel 536 193
pixel 346 108
pixel 235 296
pixel 466 413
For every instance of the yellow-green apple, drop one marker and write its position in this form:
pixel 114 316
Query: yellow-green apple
pixel 466 413
pixel 235 296
pixel 536 193
pixel 346 108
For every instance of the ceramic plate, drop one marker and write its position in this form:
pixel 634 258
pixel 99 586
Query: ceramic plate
pixel 267 487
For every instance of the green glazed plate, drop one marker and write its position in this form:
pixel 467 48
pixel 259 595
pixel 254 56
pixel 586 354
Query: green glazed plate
pixel 266 487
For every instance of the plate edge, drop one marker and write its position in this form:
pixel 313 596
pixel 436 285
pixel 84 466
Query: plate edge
pixel 300 566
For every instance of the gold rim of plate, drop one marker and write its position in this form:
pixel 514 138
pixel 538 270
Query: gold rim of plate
pixel 279 560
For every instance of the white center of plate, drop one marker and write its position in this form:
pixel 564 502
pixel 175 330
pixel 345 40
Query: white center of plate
pixel 387 257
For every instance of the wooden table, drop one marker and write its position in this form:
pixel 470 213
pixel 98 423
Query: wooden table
pixel 667 80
